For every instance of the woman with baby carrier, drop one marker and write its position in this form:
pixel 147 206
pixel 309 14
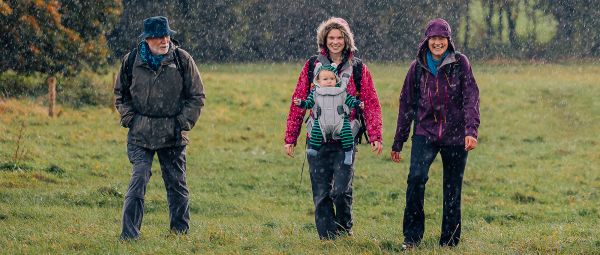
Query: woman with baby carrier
pixel 331 161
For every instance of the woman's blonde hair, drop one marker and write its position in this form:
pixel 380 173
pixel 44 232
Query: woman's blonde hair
pixel 335 23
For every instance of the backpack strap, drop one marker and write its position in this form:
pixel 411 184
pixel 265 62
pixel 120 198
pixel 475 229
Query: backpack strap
pixel 357 68
pixel 311 70
pixel 458 69
pixel 417 86
pixel 455 68
pixel 178 63
pixel 416 94
pixel 131 60
pixel 129 65
pixel 177 58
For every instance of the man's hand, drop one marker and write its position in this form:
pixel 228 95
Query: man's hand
pixel 289 149
pixel 470 143
pixel 377 147
pixel 396 156
pixel 297 101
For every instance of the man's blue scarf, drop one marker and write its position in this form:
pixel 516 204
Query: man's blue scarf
pixel 147 56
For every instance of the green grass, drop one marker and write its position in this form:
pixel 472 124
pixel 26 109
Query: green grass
pixel 532 185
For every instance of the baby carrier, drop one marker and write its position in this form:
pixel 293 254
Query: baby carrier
pixel 330 108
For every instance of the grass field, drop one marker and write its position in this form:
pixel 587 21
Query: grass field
pixel 532 185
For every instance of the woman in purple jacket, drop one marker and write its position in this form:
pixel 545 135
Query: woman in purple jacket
pixel 441 96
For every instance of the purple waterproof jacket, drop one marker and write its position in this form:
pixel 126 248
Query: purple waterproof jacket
pixel 448 105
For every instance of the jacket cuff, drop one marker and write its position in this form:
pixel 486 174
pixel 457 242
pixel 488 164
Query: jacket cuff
pixel 471 132
pixel 127 119
pixel 375 138
pixel 289 141
pixel 397 146
pixel 183 123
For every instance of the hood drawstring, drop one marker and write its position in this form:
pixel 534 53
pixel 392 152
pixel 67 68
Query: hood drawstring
pixel 443 105
pixel 446 96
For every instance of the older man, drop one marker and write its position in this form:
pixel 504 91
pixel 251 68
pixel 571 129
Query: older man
pixel 159 95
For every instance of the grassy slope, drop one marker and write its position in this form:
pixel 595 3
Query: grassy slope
pixel 531 186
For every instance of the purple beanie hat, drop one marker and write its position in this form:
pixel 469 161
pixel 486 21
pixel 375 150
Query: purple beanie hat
pixel 438 27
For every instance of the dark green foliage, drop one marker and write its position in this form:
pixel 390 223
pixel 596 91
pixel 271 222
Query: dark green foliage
pixel 270 224
pixel 537 139
pixel 588 212
pixel 15 166
pixel 522 198
pixel 391 246
pixel 233 30
pixel 87 88
pixel 577 28
pixel 13 84
pixel 55 37
pixel 54 169
pixel 110 191
pixel 69 35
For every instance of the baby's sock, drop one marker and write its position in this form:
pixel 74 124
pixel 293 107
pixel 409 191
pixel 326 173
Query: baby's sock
pixel 348 157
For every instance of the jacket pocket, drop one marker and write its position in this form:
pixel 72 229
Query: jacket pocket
pixel 134 123
pixel 137 125
pixel 163 130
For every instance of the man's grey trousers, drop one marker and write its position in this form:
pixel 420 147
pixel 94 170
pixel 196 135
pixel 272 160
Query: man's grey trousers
pixel 172 164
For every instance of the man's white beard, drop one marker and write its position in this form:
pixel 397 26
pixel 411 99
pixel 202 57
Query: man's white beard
pixel 160 51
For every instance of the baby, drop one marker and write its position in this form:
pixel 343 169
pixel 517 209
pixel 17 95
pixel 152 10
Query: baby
pixel 326 77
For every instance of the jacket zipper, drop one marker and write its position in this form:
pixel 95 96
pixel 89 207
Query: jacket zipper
pixel 437 81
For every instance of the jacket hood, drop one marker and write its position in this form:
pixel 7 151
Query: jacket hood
pixel 335 23
pixel 436 27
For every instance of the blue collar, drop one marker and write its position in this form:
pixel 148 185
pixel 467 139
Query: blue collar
pixel 433 64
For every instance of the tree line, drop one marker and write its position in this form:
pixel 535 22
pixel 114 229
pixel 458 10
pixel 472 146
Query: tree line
pixel 250 30
pixel 65 36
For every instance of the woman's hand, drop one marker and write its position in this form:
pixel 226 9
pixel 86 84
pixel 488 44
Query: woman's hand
pixel 396 156
pixel 297 101
pixel 377 147
pixel 470 143
pixel 289 149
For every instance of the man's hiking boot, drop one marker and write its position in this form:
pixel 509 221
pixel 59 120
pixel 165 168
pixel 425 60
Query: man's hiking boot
pixel 407 246
pixel 124 238
pixel 345 233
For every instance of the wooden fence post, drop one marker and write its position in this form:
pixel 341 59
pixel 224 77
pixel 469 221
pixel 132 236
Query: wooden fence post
pixel 51 95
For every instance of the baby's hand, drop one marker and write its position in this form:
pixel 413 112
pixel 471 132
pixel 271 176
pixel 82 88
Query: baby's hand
pixel 297 101
pixel 362 105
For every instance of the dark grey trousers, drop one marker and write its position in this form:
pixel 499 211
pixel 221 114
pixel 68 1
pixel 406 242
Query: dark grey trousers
pixel 331 183
pixel 454 160
pixel 172 164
